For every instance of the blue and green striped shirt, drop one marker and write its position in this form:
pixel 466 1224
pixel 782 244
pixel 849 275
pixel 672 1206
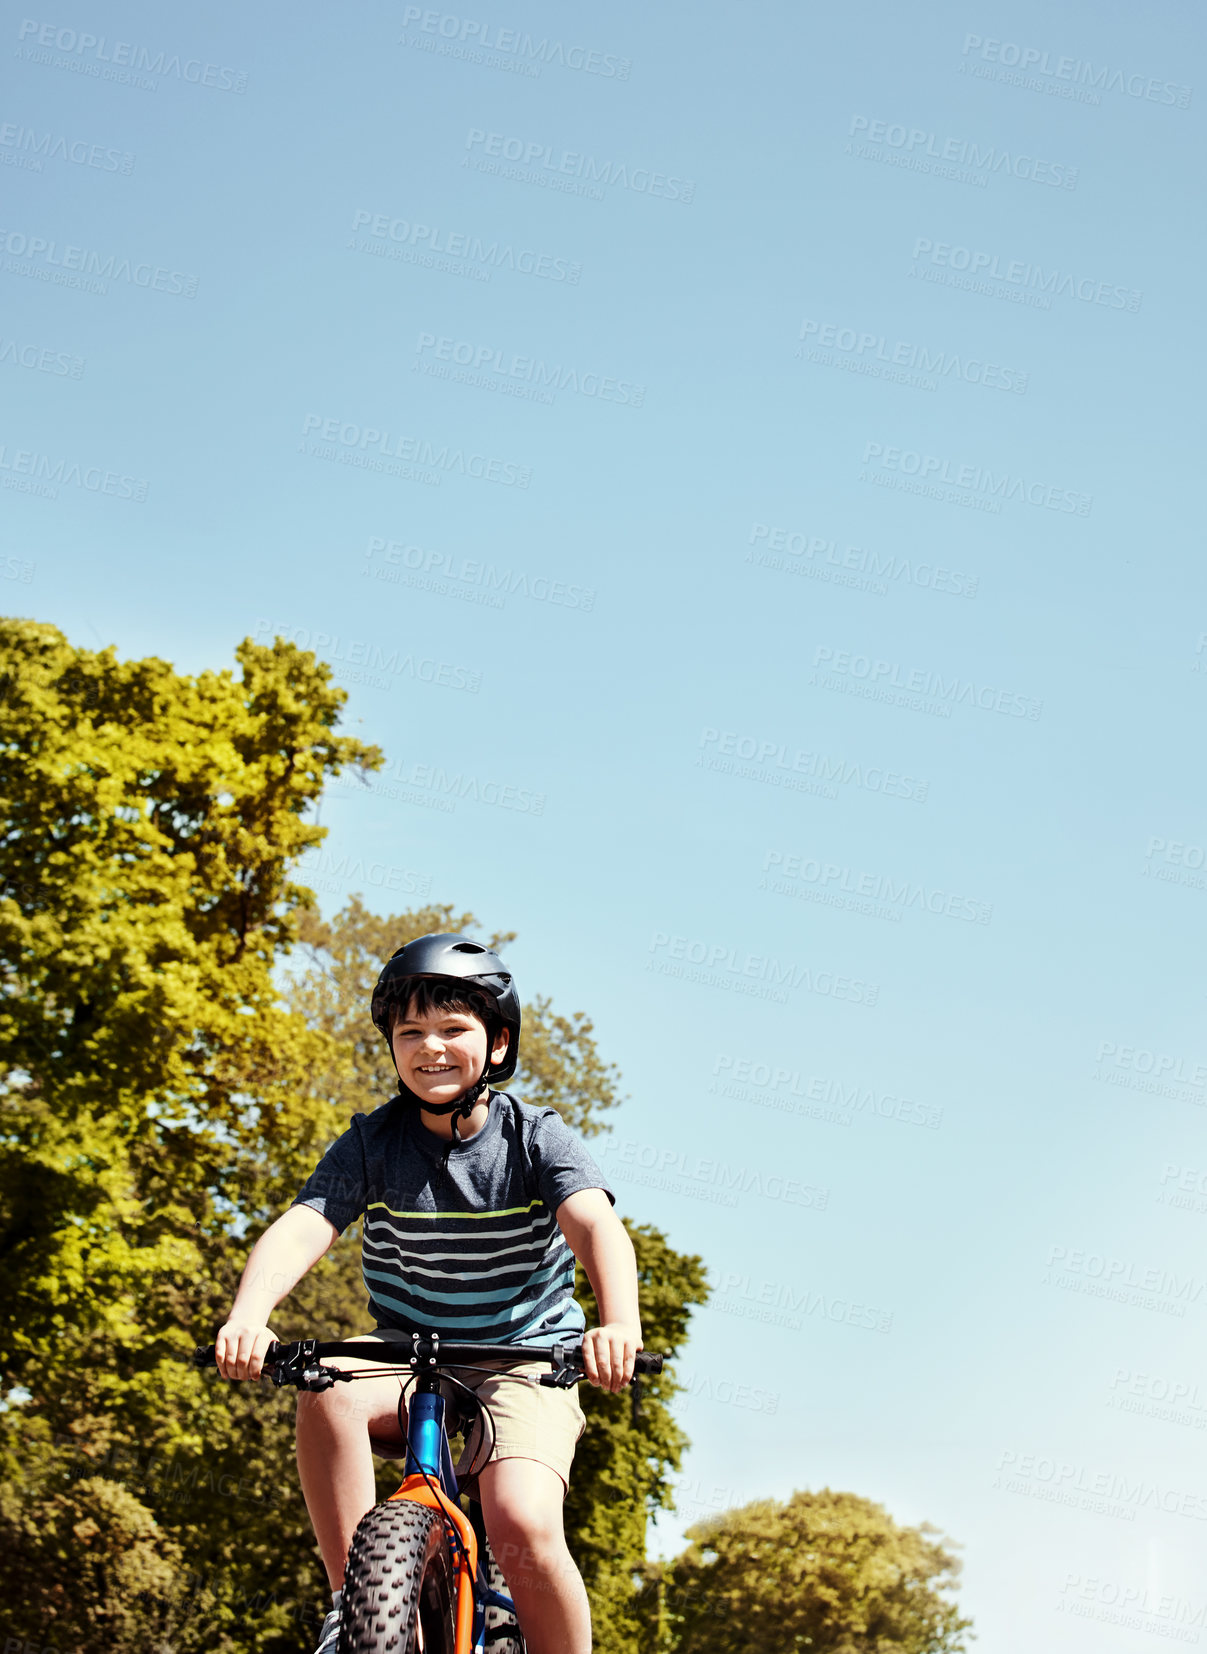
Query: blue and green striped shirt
pixel 470 1248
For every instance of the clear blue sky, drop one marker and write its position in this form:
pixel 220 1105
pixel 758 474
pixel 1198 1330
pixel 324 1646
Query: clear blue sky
pixel 777 547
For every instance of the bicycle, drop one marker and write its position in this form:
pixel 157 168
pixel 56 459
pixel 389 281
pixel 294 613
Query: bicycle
pixel 420 1576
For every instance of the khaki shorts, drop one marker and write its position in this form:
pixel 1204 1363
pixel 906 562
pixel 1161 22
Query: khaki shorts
pixel 531 1421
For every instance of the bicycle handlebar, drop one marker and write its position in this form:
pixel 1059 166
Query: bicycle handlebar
pixel 299 1363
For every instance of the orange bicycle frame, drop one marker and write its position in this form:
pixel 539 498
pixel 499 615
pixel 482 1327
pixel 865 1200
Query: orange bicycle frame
pixel 418 1490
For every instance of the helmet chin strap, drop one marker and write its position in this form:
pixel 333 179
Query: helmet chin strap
pixel 462 1106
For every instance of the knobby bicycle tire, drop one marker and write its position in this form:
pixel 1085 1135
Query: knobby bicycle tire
pixel 503 1634
pixel 400 1572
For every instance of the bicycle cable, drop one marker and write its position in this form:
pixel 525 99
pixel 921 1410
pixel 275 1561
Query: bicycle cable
pixel 450 1527
pixel 390 1371
pixel 479 1407
pixel 482 1408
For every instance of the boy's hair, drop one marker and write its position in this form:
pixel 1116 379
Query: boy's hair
pixel 430 995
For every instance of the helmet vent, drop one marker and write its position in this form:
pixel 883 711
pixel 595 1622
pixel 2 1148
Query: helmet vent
pixel 467 947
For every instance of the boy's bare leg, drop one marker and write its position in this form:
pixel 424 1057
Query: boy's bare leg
pixel 522 1503
pixel 335 1465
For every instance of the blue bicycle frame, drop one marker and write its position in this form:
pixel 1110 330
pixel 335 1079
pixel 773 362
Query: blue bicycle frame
pixel 428 1454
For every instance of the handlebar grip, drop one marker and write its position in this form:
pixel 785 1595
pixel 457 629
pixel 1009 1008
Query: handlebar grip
pixel 647 1362
pixel 204 1356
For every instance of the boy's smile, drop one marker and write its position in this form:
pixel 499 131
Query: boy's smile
pixel 441 1054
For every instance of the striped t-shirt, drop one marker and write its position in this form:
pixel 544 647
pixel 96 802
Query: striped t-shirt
pixel 468 1246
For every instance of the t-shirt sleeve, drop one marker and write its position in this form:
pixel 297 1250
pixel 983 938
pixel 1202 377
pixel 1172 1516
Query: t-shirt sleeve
pixel 561 1163
pixel 338 1186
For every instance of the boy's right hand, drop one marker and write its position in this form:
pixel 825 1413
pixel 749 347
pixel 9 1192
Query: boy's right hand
pixel 239 1349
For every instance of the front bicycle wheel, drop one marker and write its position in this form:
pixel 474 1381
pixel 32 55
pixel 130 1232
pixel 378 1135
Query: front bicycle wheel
pixel 400 1585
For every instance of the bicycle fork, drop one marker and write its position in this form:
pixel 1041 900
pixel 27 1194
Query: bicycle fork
pixel 431 1480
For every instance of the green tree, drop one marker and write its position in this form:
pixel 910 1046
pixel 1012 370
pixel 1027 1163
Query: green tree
pixel 622 1464
pixel 828 1572
pixel 155 1093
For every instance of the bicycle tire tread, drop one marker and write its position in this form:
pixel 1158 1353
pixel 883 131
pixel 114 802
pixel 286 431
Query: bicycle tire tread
pixel 395 1549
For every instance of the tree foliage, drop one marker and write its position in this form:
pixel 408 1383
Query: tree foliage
pixel 622 1464
pixel 152 821
pixel 156 1095
pixel 828 1572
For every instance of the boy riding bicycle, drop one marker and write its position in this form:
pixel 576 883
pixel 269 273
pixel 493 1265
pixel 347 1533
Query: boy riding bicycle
pixel 475 1206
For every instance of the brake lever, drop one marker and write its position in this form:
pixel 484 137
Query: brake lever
pixel 565 1378
pixel 302 1368
pixel 567 1371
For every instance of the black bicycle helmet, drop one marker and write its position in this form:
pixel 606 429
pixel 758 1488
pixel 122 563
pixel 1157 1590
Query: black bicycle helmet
pixel 453 958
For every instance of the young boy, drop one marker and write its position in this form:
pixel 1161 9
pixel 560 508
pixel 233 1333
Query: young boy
pixel 425 1170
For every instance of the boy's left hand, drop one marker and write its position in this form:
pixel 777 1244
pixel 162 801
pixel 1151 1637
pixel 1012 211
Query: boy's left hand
pixel 608 1353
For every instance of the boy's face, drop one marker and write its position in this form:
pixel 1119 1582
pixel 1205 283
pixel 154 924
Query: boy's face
pixel 440 1054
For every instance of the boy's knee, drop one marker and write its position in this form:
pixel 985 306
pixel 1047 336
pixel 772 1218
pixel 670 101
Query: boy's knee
pixel 535 1561
pixel 526 1535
